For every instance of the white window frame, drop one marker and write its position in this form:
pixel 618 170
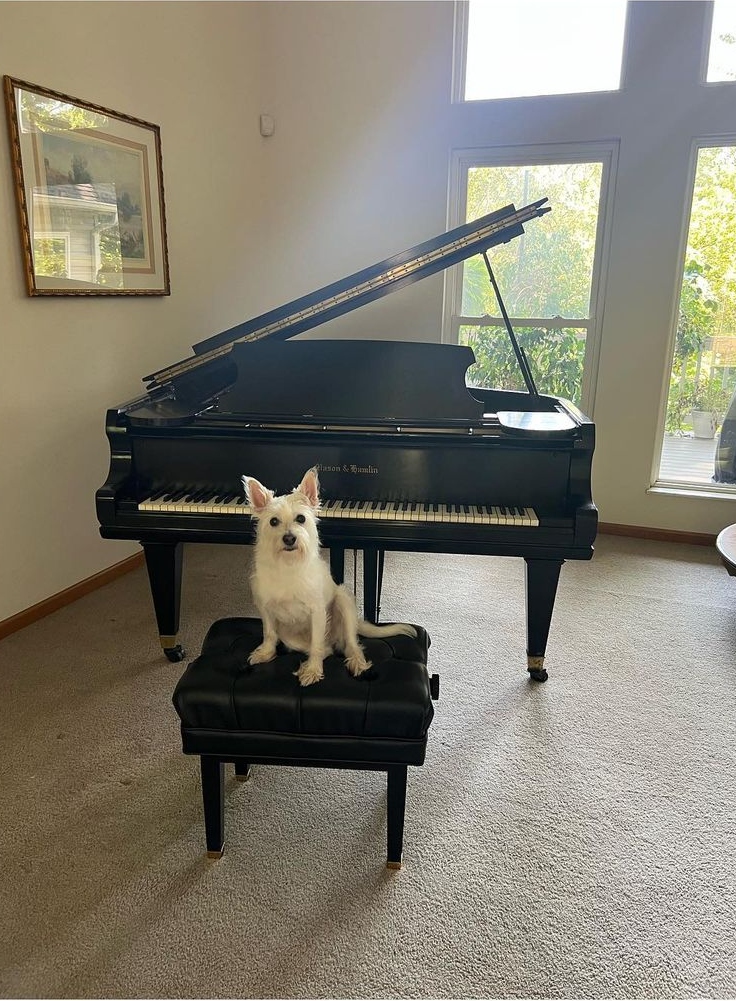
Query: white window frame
pixel 459 51
pixel 705 51
pixel 605 153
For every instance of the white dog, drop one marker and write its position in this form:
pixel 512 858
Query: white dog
pixel 298 600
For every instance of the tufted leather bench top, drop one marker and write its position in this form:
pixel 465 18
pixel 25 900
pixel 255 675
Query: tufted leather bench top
pixel 261 712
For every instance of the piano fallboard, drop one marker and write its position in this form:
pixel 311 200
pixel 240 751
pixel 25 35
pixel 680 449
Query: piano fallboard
pixel 396 467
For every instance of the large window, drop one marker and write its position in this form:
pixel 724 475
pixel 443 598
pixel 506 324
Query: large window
pixel 703 374
pixel 530 117
pixel 526 48
pixel 548 277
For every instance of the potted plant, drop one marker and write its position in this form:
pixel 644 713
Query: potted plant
pixel 708 401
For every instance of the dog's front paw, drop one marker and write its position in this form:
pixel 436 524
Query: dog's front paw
pixel 309 672
pixel 262 654
pixel 357 664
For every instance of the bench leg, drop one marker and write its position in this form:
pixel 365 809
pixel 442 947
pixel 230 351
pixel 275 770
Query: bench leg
pixel 213 797
pixel 242 770
pixel 396 807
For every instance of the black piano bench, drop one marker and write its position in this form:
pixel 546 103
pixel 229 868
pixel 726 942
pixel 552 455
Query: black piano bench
pixel 231 711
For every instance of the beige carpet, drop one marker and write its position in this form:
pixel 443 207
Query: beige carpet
pixel 574 839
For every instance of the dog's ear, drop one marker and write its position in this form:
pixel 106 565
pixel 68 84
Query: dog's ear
pixel 310 487
pixel 256 494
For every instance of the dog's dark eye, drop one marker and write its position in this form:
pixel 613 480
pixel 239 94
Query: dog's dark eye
pixel 273 522
pixel 300 518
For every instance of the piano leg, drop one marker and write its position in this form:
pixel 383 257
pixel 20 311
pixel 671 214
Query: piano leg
pixel 372 582
pixel 337 565
pixel 541 587
pixel 163 562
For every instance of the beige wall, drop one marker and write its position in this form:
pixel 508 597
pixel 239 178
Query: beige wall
pixel 356 171
pixel 193 69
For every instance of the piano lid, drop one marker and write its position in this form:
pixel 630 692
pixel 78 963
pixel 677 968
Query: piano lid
pixel 361 288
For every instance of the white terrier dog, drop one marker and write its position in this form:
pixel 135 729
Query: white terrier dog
pixel 298 600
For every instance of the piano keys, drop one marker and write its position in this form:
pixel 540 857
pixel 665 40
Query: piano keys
pixel 409 457
pixel 174 500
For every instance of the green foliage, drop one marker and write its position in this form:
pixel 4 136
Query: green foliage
pixel 79 174
pixel 555 358
pixel 49 257
pixel 51 114
pixel 545 272
pixel 709 395
pixel 708 294
pixel 111 267
pixel 127 208
pixel 697 311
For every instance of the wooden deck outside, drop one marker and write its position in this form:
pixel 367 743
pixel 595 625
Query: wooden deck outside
pixel 687 460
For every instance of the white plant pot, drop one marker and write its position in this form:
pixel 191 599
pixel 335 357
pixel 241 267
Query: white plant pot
pixel 704 423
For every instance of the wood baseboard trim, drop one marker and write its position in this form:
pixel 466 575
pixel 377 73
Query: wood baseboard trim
pixel 68 595
pixel 657 534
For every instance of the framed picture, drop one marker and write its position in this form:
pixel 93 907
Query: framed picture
pixel 90 193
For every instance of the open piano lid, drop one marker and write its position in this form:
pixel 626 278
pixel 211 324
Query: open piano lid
pixel 252 373
pixel 357 290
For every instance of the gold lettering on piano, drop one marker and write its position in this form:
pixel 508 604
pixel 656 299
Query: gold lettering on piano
pixel 346 467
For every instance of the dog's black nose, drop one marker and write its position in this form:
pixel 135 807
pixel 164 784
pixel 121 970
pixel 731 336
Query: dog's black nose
pixel 289 540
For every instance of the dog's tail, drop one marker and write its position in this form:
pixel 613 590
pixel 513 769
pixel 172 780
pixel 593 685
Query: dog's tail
pixel 394 629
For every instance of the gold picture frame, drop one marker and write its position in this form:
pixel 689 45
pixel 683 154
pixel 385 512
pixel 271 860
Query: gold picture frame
pixel 90 195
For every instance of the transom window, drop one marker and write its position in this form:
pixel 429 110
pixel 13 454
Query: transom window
pixel 528 48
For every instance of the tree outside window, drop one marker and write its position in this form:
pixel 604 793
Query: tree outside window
pixel 545 275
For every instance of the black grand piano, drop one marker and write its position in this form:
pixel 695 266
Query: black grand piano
pixel 409 458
